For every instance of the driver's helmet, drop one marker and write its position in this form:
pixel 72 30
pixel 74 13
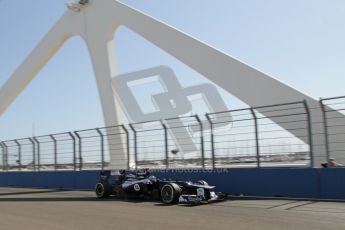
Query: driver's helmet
pixel 153 179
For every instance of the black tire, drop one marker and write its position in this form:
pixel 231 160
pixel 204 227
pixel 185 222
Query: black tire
pixel 222 195
pixel 170 193
pixel 202 182
pixel 102 190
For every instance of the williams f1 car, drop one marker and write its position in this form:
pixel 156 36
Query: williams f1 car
pixel 139 183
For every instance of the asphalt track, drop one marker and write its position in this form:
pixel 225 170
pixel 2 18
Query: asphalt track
pixel 33 209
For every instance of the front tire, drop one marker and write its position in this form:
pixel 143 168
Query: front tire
pixel 102 190
pixel 170 193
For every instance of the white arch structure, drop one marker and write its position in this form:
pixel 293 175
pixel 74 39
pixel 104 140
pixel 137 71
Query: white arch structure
pixel 97 23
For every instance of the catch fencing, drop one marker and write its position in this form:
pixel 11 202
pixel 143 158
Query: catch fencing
pixel 267 136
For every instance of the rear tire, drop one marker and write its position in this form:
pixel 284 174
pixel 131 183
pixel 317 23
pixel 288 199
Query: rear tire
pixel 170 193
pixel 102 190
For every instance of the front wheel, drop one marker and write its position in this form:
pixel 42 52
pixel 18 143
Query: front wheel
pixel 102 190
pixel 170 193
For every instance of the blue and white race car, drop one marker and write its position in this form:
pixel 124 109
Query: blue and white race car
pixel 139 183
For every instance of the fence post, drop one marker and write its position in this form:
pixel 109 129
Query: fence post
pixel 310 134
pixel 102 146
pixel 33 153
pixel 19 154
pixel 6 155
pixel 3 156
pixel 79 150
pixel 212 141
pixel 325 127
pixel 74 151
pixel 38 153
pixel 127 145
pixel 55 151
pixel 135 145
pixel 201 140
pixel 166 144
pixel 257 143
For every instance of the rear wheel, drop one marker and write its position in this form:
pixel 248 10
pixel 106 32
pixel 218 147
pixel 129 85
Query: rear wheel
pixel 170 193
pixel 102 190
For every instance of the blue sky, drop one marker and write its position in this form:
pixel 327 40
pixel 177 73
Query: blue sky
pixel 299 42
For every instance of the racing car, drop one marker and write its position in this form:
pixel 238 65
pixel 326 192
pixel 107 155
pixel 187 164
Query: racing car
pixel 140 183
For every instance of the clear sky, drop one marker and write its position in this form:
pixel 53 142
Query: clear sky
pixel 300 42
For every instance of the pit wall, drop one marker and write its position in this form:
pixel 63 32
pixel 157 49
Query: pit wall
pixel 310 183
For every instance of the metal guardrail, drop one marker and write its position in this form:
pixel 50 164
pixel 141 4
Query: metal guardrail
pixel 234 138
